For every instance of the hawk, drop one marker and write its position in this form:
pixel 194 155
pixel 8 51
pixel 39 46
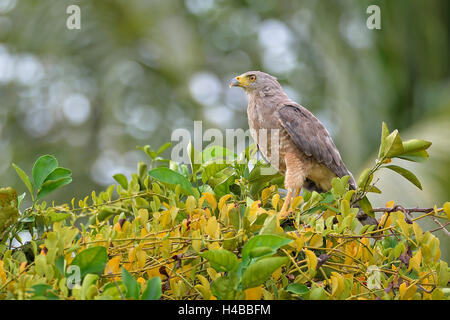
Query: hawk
pixel 290 137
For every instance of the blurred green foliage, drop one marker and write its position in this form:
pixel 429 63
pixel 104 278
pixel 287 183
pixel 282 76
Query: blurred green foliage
pixel 138 69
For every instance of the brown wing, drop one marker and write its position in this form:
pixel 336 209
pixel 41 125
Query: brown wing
pixel 311 137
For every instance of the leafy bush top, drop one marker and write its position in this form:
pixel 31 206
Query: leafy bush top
pixel 211 231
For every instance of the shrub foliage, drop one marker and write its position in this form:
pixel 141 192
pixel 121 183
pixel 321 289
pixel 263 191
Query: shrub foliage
pixel 211 231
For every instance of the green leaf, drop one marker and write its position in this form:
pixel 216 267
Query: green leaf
pixel 51 185
pixel 171 177
pixel 406 174
pixel 318 294
pixel 365 178
pixel 259 271
pixel 366 206
pixel 418 156
pixel 261 252
pixel 297 288
pixel 55 216
pixel 59 173
pixel 91 260
pixel 384 134
pixel 23 176
pixel 42 169
pixel 163 147
pixel 122 180
pixel 415 145
pixel 217 153
pixel 153 289
pixel 133 287
pixel 221 260
pixel 264 240
pixel 394 145
pixel 224 288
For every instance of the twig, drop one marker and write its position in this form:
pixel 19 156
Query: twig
pixel 441 226
pixel 405 210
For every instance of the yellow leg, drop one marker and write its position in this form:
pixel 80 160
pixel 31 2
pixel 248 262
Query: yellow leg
pixel 296 193
pixel 283 212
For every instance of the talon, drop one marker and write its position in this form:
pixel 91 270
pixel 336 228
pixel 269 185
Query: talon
pixel 284 210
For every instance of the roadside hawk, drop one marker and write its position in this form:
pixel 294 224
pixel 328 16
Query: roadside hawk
pixel 290 137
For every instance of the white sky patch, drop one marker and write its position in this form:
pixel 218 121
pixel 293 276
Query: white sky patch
pixel 199 6
pixel 38 121
pixel 220 115
pixel 110 162
pixel 76 109
pixel 29 69
pixel 6 65
pixel 356 33
pixel 7 5
pixel 276 39
pixel 205 88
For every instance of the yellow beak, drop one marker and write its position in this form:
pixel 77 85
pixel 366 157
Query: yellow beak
pixel 237 82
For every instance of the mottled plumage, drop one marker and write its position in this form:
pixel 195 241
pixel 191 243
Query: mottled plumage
pixel 306 153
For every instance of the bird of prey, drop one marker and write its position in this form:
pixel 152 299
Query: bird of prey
pixel 290 137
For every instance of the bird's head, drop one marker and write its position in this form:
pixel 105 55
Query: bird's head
pixel 255 81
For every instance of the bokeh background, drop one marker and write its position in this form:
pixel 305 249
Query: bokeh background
pixel 139 69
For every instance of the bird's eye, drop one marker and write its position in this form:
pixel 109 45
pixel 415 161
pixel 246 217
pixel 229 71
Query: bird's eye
pixel 252 78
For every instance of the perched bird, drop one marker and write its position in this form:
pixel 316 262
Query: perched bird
pixel 290 137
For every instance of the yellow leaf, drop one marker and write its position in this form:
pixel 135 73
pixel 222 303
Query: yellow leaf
pixel 212 228
pixel 203 281
pixel 166 246
pixel 131 255
pixel 173 213
pixel 390 204
pixel 415 261
pixel 296 202
pixel 140 280
pixel 311 260
pixel 385 221
pixel 22 266
pixel 299 242
pixel 113 265
pixel 154 272
pixel 316 241
pixel 2 273
pixel 402 223
pixel 211 200
pixel 190 204
pixel 196 243
pixel 213 274
pixel 265 194
pixel 276 274
pixel 253 293
pixel 117 227
pixel 337 284
pixel 223 200
pixel 407 292
pixel 213 246
pixel 417 232
pixel 275 200
pixel 143 217
pixel 446 207
pixel 141 258
pixel 206 293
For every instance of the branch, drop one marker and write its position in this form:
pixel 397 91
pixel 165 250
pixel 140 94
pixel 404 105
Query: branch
pixel 441 227
pixel 404 210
